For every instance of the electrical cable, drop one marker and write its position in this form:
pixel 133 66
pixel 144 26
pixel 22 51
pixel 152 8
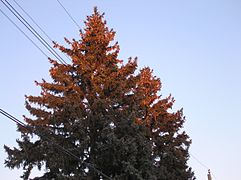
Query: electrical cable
pixel 39 133
pixel 33 31
pixel 33 21
pixel 194 157
pixel 18 122
pixel 69 14
pixel 24 34
pixel 40 28
pixel 12 118
pixel 202 164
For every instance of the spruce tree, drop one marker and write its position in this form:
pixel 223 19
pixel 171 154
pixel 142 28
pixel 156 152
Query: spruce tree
pixel 105 113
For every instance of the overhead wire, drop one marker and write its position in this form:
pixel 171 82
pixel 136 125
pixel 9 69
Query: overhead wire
pixel 201 163
pixel 67 152
pixel 40 28
pixel 24 34
pixel 66 11
pixel 12 118
pixel 39 133
pixel 30 17
pixel 33 31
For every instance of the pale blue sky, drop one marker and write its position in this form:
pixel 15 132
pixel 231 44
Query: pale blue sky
pixel 194 46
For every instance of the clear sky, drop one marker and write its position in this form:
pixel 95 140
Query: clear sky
pixel 194 46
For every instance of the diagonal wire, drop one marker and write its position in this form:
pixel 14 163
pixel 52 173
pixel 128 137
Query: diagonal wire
pixel 39 133
pixel 33 20
pixel 69 14
pixel 32 30
pixel 24 34
pixel 194 157
pixel 40 28
pixel 12 118
pixel 202 164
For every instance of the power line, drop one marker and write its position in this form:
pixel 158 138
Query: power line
pixel 194 157
pixel 33 21
pixel 69 14
pixel 39 133
pixel 25 34
pixel 12 118
pixel 213 175
pixel 40 28
pixel 202 164
pixel 33 31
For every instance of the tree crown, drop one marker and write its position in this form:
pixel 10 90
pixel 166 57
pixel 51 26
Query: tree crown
pixel 106 113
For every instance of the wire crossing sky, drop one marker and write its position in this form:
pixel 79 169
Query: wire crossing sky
pixel 43 132
pixel 35 23
pixel 24 33
pixel 32 30
pixel 193 46
pixel 67 12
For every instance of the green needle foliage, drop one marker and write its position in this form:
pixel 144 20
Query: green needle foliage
pixel 104 112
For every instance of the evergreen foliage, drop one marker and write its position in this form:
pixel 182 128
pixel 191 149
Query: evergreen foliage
pixel 106 113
